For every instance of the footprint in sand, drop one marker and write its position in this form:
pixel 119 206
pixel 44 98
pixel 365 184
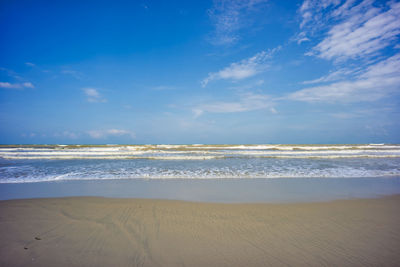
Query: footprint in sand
pixel 36 238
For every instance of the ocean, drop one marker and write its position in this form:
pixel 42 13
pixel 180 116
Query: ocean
pixel 45 163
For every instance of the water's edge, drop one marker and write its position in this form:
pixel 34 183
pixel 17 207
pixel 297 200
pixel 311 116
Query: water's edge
pixel 212 190
pixel 27 164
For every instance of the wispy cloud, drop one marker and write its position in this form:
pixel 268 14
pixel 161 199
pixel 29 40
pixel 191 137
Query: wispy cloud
pixel 93 95
pixel 67 134
pixel 12 74
pixel 32 134
pixel 355 30
pixel 243 69
pixel 99 134
pixel 333 76
pixel 362 34
pixel 273 110
pixel 377 81
pixel 16 85
pixel 247 102
pixel 310 12
pixel 30 64
pixel 301 37
pixel 360 113
pixel 229 16
pixel 76 74
pixel 345 115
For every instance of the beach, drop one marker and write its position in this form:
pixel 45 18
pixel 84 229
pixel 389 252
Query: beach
pixel 95 231
pixel 200 133
pixel 200 205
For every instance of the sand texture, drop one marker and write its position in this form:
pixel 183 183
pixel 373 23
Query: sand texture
pixel 88 231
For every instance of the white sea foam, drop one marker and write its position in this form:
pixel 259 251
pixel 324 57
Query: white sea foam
pixel 199 173
pixel 113 157
pixel 59 163
pixel 193 152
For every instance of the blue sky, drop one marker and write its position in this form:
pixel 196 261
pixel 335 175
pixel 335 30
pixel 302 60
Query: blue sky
pixel 238 71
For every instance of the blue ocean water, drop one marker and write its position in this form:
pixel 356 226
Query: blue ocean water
pixel 27 164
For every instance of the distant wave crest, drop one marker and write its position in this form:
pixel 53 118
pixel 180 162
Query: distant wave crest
pixel 199 152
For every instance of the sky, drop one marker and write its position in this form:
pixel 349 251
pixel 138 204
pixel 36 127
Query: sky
pixel 199 72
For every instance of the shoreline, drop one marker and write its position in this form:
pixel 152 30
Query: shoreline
pixel 133 199
pixel 236 190
pixel 93 231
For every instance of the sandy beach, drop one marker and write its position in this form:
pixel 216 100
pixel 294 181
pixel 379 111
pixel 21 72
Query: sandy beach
pixel 91 231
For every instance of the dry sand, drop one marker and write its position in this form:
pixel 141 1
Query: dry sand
pixel 89 231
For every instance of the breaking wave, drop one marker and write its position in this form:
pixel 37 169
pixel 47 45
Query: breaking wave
pixel 199 152
pixel 22 164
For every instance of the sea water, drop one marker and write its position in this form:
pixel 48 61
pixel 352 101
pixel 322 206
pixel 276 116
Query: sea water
pixel 41 163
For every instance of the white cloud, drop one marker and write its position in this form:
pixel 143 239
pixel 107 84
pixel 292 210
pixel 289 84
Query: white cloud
pixel 332 76
pixel 248 102
pixel 353 30
pixel 67 134
pixel 98 134
pixel 345 115
pixel 248 86
pixel 362 34
pixel 243 69
pixel 16 85
pixel 28 134
pixel 379 80
pixel 28 85
pixel 11 73
pixel 273 110
pixel 301 37
pixel 93 95
pixel 310 11
pixel 229 16
pixel 76 74
pixel 30 64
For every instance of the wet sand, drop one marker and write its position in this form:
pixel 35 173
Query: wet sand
pixel 92 231
pixel 237 190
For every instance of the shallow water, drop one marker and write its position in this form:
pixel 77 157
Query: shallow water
pixel 211 190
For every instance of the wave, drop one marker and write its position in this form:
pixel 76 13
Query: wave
pixel 278 147
pixel 200 152
pixel 83 152
pixel 331 156
pixel 71 157
pixel 204 174
pixel 200 147
pixel 149 162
